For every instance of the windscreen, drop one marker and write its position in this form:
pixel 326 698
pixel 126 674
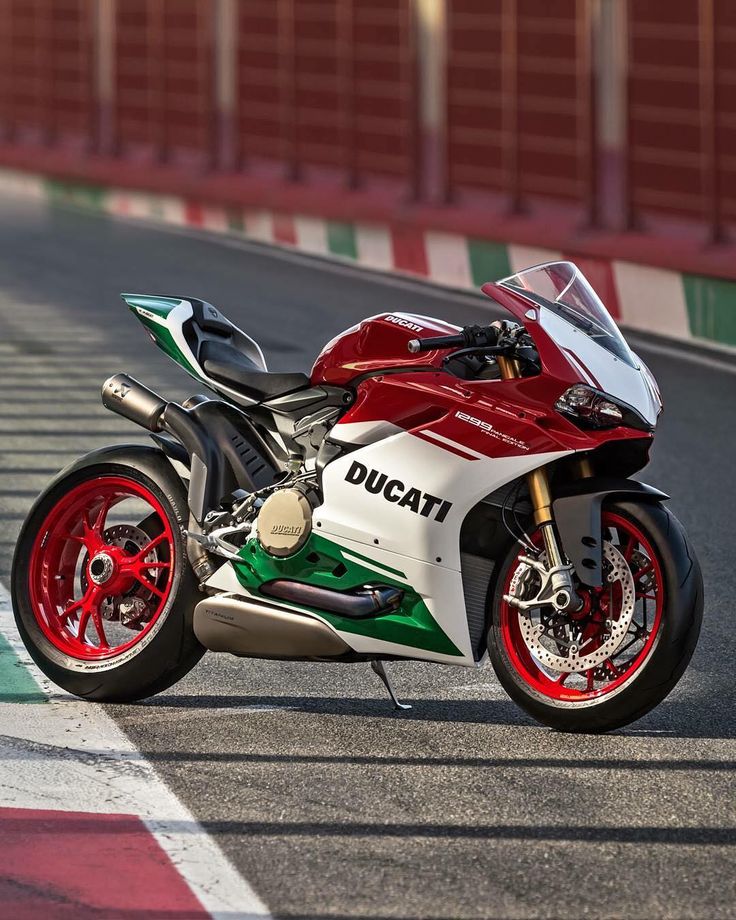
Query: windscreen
pixel 562 288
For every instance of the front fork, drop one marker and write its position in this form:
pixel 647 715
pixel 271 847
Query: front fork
pixel 558 587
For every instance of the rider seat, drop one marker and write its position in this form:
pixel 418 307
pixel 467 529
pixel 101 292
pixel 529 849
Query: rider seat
pixel 224 353
pixel 226 364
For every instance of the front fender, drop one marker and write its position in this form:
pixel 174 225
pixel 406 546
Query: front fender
pixel 577 512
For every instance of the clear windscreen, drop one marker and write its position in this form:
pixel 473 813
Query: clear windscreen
pixel 562 288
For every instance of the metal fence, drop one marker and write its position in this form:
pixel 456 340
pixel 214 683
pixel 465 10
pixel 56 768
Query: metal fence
pixel 622 110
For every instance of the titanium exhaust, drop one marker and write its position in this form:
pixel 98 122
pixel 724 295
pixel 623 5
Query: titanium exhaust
pixel 252 629
pixel 124 395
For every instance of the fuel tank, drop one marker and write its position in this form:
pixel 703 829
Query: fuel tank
pixel 378 343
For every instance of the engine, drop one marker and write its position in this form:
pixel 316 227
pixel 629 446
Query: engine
pixel 278 516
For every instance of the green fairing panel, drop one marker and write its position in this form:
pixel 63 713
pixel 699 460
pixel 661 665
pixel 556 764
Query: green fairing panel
pixel 161 307
pixel 321 562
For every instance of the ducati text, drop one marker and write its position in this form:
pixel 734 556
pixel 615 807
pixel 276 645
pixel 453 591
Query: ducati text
pixel 400 321
pixel 397 492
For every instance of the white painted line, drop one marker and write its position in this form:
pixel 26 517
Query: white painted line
pixel 259 225
pixel 66 744
pixel 373 243
pixel 460 448
pixel 449 262
pixel 311 234
pixel 652 299
pixel 214 219
pixel 521 257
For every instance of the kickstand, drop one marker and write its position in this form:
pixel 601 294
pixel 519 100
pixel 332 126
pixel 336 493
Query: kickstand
pixel 380 669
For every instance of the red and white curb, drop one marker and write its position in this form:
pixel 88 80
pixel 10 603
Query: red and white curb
pixel 88 828
pixel 676 305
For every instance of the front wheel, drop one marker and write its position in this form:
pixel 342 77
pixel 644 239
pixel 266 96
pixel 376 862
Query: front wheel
pixel 622 653
pixel 102 588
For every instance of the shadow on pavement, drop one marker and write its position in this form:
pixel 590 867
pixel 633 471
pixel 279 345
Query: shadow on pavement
pixel 684 719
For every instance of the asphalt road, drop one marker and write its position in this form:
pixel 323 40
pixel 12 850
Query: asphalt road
pixel 328 802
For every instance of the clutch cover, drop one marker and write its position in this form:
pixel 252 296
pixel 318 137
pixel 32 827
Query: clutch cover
pixel 284 522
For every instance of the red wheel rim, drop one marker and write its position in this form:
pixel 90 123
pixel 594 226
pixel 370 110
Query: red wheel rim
pixel 105 549
pixel 634 650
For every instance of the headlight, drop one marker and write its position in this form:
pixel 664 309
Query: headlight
pixel 590 407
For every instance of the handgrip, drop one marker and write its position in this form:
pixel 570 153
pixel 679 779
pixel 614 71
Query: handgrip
pixel 438 341
pixel 471 336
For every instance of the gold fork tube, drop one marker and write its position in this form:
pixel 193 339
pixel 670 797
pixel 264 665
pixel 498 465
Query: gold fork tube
pixel 541 499
pixel 537 480
pixel 509 367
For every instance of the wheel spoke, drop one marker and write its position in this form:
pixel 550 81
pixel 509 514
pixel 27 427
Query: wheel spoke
pixel 591 680
pixel 97 620
pixel 630 547
pixel 612 667
pixel 645 570
pixel 156 541
pixel 147 584
pixel 101 515
pixel 72 608
pixel 82 625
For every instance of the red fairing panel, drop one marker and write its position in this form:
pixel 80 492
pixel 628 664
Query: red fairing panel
pixel 378 343
pixel 497 418
pixel 526 312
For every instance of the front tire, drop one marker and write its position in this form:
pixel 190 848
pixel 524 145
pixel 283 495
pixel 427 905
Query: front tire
pixel 661 634
pixel 102 589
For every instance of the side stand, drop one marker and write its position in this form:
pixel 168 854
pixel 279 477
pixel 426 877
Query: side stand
pixel 380 669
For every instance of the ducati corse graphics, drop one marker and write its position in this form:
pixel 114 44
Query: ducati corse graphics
pixel 428 492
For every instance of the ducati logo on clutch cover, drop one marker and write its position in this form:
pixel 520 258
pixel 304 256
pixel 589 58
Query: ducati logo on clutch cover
pixel 395 491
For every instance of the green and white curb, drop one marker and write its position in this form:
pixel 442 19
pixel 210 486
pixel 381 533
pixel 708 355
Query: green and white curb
pixel 60 754
pixel 681 306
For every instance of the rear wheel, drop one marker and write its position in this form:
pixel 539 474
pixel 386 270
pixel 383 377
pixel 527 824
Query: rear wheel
pixel 622 653
pixel 102 589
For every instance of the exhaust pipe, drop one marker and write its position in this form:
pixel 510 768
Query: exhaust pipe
pixel 219 450
pixel 251 629
pixel 127 397
pixel 363 602
pixel 124 395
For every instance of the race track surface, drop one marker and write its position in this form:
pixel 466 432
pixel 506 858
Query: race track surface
pixel 329 803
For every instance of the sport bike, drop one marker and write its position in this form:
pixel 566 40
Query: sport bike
pixel 428 492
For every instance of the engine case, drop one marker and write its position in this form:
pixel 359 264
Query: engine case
pixel 284 522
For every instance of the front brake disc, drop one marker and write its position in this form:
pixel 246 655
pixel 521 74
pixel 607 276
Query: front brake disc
pixel 534 633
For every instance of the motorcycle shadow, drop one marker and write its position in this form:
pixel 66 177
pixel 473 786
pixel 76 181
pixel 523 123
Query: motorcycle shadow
pixel 686 718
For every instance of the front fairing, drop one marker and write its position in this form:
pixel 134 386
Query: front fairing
pixel 571 356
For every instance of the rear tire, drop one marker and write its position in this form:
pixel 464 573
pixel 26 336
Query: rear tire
pixel 649 679
pixel 165 648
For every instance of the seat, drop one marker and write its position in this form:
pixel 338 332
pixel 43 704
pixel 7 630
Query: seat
pixel 227 365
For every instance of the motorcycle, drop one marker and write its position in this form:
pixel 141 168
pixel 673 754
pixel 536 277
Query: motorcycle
pixel 429 492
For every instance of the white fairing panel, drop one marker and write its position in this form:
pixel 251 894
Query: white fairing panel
pixel 351 511
pixel 601 369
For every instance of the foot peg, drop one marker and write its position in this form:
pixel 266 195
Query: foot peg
pixel 380 669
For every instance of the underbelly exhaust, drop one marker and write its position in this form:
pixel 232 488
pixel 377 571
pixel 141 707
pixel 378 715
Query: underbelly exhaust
pixel 259 630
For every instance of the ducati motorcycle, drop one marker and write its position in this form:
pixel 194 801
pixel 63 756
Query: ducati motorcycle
pixel 428 492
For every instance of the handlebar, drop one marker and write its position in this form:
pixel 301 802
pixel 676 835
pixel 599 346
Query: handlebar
pixel 470 337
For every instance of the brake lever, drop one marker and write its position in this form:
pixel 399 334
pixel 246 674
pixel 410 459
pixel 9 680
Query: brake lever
pixel 477 350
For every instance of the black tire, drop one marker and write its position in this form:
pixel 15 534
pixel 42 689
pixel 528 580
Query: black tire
pixel 671 653
pixel 172 649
